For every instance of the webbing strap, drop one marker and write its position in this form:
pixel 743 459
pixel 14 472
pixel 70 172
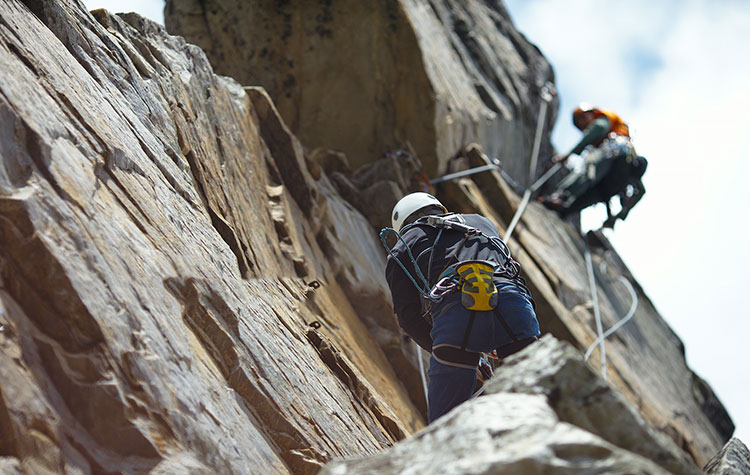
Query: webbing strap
pixel 505 325
pixel 424 292
pixel 468 329
pixel 457 357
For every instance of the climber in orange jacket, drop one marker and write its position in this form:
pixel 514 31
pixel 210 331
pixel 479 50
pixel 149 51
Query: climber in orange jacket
pixel 611 167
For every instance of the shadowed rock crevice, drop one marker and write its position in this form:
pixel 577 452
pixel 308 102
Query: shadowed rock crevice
pixel 8 434
pixel 89 373
pixel 217 328
pixel 348 375
pixel 712 407
pixel 222 227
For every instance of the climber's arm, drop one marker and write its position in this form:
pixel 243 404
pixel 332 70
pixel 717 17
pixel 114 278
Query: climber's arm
pixel 411 321
pixel 407 305
pixel 594 133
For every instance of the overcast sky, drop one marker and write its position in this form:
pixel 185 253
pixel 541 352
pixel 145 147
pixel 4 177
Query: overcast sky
pixel 677 72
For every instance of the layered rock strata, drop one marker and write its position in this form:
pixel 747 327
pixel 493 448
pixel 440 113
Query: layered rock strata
pixel 435 74
pixel 734 459
pixel 174 281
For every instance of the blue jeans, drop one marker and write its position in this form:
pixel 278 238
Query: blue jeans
pixel 513 320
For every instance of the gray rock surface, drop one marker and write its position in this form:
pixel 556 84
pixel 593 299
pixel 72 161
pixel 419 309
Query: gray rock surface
pixel 500 433
pixel 733 459
pixel 437 74
pixel 580 397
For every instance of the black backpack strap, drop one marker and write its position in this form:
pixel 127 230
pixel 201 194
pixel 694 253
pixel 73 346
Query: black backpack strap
pixel 452 356
pixel 468 329
pixel 505 325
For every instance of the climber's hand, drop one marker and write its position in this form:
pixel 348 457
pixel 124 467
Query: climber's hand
pixel 484 371
pixel 610 222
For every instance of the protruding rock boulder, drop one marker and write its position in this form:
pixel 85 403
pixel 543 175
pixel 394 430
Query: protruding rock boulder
pixel 526 424
pixel 733 459
pixel 580 397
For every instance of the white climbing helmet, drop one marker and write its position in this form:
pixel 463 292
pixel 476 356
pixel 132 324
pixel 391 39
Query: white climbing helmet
pixel 410 204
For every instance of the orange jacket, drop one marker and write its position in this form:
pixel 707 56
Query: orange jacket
pixel 616 124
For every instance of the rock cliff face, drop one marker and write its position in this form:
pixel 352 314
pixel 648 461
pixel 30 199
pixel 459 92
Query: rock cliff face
pixel 186 288
pixel 438 74
pixel 165 255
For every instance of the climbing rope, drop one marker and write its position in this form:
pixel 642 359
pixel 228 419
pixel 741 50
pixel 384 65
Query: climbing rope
pixel 421 372
pixel 495 165
pixel 620 322
pixel 425 292
pixel 546 93
pixel 597 315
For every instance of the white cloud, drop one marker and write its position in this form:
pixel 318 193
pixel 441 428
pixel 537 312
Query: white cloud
pixel 686 241
pixel 152 9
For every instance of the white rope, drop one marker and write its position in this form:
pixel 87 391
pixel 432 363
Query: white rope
pixel 620 322
pixel 517 216
pixel 527 197
pixel 597 315
pixel 470 171
pixel 537 142
pixel 541 181
pixel 421 372
pixel 546 94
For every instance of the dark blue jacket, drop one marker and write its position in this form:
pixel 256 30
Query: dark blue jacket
pixel 420 239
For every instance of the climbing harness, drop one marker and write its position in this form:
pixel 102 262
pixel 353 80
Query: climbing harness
pixel 446 280
pixel 424 291
pixel 617 146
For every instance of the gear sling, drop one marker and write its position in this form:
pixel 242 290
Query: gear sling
pixel 474 279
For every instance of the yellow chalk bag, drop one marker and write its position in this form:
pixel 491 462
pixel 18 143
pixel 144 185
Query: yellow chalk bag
pixel 478 292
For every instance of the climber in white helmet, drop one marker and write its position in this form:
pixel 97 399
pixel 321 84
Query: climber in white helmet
pixel 463 297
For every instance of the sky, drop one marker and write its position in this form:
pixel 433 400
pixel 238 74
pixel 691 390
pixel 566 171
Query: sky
pixel 677 72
